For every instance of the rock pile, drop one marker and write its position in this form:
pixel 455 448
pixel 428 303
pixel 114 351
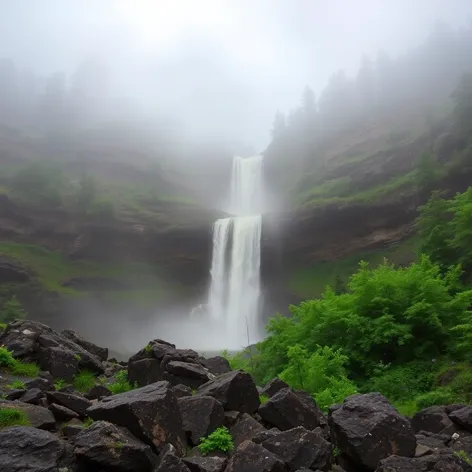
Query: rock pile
pixel 181 397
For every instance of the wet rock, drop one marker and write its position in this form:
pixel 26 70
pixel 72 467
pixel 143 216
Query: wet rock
pixel 21 338
pixel 14 394
pixel 180 355
pixel 71 431
pixel 109 447
pixel 100 352
pixel 145 372
pixel 299 447
pixel 200 417
pixel 433 463
pixel 462 443
pixel 97 392
pixel 433 419
pixel 217 365
pixel 61 413
pixel 286 410
pixel 38 416
pixel 462 417
pixel 368 429
pixel 169 461
pixel 235 390
pixel 28 449
pixel 181 391
pixel 231 417
pixel 432 440
pixel 274 386
pixel 245 429
pixel 62 363
pixel 192 375
pixel 205 464
pixel 151 414
pixel 44 384
pixel 32 396
pixel 251 457
pixel 266 434
pixel 73 401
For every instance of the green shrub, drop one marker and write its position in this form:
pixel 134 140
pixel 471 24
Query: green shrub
pixel 121 383
pixel 13 417
pixel 17 385
pixel 25 369
pixel 6 358
pixel 84 381
pixel 263 399
pixel 59 384
pixel 440 396
pixel 219 440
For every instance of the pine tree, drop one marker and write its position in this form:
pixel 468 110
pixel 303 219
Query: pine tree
pixel 12 310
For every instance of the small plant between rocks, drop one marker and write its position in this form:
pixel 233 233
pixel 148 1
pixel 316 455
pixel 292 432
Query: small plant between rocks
pixel 219 440
pixel 263 399
pixel 17 385
pixel 16 367
pixel 84 381
pixel 13 417
pixel 121 383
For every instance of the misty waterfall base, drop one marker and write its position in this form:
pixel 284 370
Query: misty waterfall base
pixel 233 303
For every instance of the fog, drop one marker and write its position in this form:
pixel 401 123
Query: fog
pixel 214 70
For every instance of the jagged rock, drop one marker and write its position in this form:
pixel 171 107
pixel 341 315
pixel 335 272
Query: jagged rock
pixel 21 338
pixel 97 392
pixel 38 416
pixel 217 365
pixel 245 429
pixel 151 413
pixel 235 390
pixel 71 431
pixel 299 447
pixel 368 429
pixel 61 413
pixel 286 410
pixel 200 417
pixel 274 386
pixel 62 363
pixel 462 443
pixel 145 372
pixel 100 352
pixel 106 446
pixel 161 348
pixel 181 391
pixel 73 401
pixel 251 457
pixel 180 355
pixel 433 419
pixel 453 407
pixel 192 375
pixel 205 464
pixel 266 434
pixel 431 440
pixel 44 384
pixel 463 417
pixel 26 449
pixel 428 463
pixel 15 394
pixel 32 396
pixel 231 417
pixel 169 461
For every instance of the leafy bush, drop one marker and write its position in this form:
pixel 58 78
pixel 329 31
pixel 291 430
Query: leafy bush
pixel 219 440
pixel 13 417
pixel 84 381
pixel 6 358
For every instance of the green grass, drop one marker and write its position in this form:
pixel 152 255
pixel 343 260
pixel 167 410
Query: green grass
pixel 84 381
pixel 121 383
pixel 311 281
pixel 3 326
pixel 13 417
pixel 60 383
pixel 263 399
pixel 7 361
pixel 464 456
pixel 88 422
pixel 17 385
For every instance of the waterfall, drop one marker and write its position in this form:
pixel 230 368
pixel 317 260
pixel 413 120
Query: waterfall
pixel 235 280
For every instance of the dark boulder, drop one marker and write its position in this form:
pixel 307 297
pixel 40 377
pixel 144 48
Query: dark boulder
pixel 97 392
pixel 181 391
pixel 44 384
pixel 26 449
pixel 71 431
pixel 161 348
pixel 169 461
pixel 235 390
pixel 61 413
pixel 433 419
pixel 14 394
pixel 245 429
pixel 231 417
pixel 151 413
pixel 192 375
pixel 205 464
pixel 299 447
pixel 462 443
pixel 462 417
pixel 145 372
pixel 431 440
pixel 73 401
pixel 109 447
pixel 216 365
pixel 38 416
pixel 100 352
pixel 286 410
pixel 12 272
pixel 251 457
pixel 368 429
pixel 62 363
pixel 429 463
pixel 32 396
pixel 180 355
pixel 274 386
pixel 200 417
pixel 266 434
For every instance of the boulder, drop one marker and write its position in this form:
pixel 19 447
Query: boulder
pixel 200 417
pixel 235 390
pixel 97 392
pixel 185 373
pixel 71 431
pixel 14 394
pixel 245 429
pixel 62 363
pixel 251 457
pixel 181 391
pixel 44 384
pixel 216 365
pixel 299 448
pixel 368 429
pixel 161 348
pixel 145 372
pixel 38 416
pixel 433 419
pixel 151 414
pixel 32 396
pixel 205 464
pixel 286 410
pixel 462 417
pixel 266 434
pixel 61 413
pixel 429 463
pixel 231 417
pixel 180 355
pixel 432 440
pixel 27 449
pixel 169 461
pixel 109 447
pixel 462 443
pixel 73 401
pixel 273 386
pixel 100 352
